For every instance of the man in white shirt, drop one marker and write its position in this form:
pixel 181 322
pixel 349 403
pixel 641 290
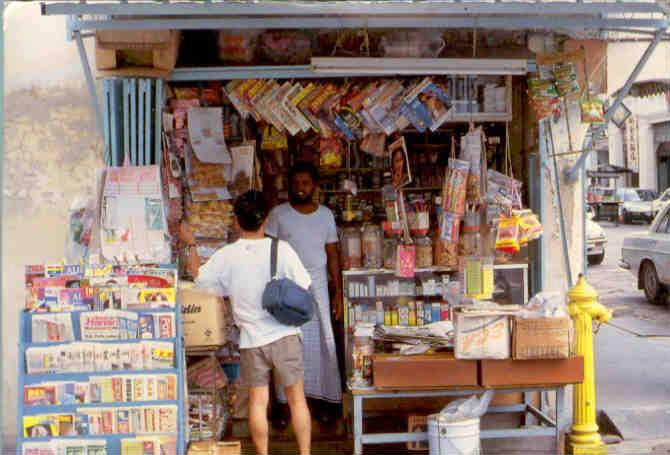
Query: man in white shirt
pixel 310 229
pixel 241 271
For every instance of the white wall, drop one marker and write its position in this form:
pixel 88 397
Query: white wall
pixel 51 147
pixel 621 60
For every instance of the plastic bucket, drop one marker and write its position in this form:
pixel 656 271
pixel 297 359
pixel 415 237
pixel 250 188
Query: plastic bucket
pixel 453 438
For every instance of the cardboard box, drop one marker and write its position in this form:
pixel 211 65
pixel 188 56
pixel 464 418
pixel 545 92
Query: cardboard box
pixel 154 52
pixel 203 318
pixel 418 424
pixel 422 371
pixel 541 338
pixel 482 336
pixel 215 448
pixel 497 373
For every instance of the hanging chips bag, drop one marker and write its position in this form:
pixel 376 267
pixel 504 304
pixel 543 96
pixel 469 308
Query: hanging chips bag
pixel 566 81
pixel 507 239
pixel 530 227
pixel 593 111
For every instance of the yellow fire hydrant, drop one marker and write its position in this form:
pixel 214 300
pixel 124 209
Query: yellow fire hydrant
pixel 584 309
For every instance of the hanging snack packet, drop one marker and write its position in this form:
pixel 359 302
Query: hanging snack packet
pixel 455 186
pixel 507 239
pixel 565 76
pixel 450 227
pixel 471 151
pixel 530 227
pixel 593 111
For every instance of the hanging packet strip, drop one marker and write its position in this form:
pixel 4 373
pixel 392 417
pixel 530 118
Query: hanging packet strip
pixel 455 185
pixel 471 151
pixel 450 227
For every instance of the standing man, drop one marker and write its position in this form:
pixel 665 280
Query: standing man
pixel 310 229
pixel 241 271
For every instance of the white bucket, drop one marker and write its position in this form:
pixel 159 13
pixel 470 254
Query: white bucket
pixel 453 438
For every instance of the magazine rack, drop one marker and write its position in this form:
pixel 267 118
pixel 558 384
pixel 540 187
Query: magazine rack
pixel 113 442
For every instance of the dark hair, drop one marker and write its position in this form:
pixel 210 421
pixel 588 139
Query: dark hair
pixel 303 167
pixel 251 210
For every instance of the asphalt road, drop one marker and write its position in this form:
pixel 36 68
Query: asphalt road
pixel 633 353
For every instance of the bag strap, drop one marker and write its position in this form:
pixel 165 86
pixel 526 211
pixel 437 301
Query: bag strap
pixel 273 258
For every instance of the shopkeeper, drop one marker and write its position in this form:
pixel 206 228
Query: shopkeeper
pixel 310 229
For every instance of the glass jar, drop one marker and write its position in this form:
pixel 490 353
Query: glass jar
pixel 351 248
pixel 390 253
pixel 372 243
pixel 424 253
pixel 362 350
pixel 444 254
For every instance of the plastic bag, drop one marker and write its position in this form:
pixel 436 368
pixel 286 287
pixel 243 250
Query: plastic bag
pixel 465 409
pixel 545 305
pixel 81 216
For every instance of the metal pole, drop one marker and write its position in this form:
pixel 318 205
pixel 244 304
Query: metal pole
pixel 90 83
pixel 559 199
pixel 2 192
pixel 572 173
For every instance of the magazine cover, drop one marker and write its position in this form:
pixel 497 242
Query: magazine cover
pixel 146 326
pixel 39 395
pixel 39 426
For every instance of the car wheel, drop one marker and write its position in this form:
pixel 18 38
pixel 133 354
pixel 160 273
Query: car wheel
pixel 596 259
pixel 654 291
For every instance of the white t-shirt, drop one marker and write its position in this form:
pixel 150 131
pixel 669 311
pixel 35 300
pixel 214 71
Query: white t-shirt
pixel 308 234
pixel 240 271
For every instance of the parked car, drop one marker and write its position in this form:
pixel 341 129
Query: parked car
pixel 647 256
pixel 660 201
pixel 637 204
pixel 595 241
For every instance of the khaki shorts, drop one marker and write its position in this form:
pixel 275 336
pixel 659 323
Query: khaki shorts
pixel 283 358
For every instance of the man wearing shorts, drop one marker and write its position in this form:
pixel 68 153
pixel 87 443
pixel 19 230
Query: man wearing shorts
pixel 241 270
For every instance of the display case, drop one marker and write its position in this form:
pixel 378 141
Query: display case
pixel 379 297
